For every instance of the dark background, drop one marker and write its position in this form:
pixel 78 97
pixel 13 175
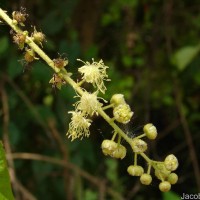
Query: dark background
pixel 152 50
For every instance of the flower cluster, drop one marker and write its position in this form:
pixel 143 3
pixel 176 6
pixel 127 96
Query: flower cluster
pixel 89 105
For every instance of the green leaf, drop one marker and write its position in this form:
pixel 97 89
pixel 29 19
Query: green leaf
pixel 14 67
pixel 5 186
pixel 3 44
pixel 170 195
pixel 2 197
pixel 183 57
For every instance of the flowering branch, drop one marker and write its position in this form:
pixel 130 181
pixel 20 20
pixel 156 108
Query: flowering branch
pixel 89 105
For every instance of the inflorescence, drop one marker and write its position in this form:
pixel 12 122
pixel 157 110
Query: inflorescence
pixel 88 105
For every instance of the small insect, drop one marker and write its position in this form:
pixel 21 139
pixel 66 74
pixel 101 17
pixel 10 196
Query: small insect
pixel 20 16
pixel 57 81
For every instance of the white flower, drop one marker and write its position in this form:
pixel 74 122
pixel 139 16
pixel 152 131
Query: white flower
pixel 79 126
pixel 88 103
pixel 94 73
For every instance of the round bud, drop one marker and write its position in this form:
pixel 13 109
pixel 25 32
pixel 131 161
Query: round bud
pixel 161 172
pixel 150 131
pixel 108 146
pixel 138 145
pixel 135 170
pixel 113 149
pixel 171 162
pixel 146 179
pixel 164 186
pixel 172 178
pixel 122 113
pixel 117 99
pixel 119 152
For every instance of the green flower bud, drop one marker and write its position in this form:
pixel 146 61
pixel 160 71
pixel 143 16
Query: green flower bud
pixel 146 179
pixel 120 152
pixel 108 146
pixel 164 186
pixel 135 170
pixel 172 178
pixel 122 113
pixel 171 162
pixel 113 149
pixel 138 145
pixel 161 172
pixel 150 131
pixel 117 99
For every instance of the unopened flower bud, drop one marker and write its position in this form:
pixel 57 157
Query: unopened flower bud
pixel 122 113
pixel 171 162
pixel 135 170
pixel 108 146
pixel 161 172
pixel 150 131
pixel 138 145
pixel 113 149
pixel 146 179
pixel 164 186
pixel 120 152
pixel 117 99
pixel 172 178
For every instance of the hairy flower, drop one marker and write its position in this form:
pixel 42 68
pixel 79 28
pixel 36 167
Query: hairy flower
pixel 79 126
pixel 94 73
pixel 88 103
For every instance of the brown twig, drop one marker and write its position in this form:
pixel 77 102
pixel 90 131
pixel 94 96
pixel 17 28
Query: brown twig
pixel 6 140
pixel 64 152
pixel 28 103
pixel 188 134
pixel 63 163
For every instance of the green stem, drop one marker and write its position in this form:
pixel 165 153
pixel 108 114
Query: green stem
pixel 114 135
pixel 108 106
pixel 119 139
pixel 141 136
pixel 135 159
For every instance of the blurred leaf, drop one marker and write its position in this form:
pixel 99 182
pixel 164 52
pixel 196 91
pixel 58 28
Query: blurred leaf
pixel 52 23
pixel 14 67
pixel 2 197
pixel 14 133
pixel 3 44
pixel 90 195
pixel 170 196
pixel 183 57
pixel 5 186
pixel 127 60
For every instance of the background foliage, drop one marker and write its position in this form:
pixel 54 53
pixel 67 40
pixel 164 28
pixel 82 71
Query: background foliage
pixel 152 49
